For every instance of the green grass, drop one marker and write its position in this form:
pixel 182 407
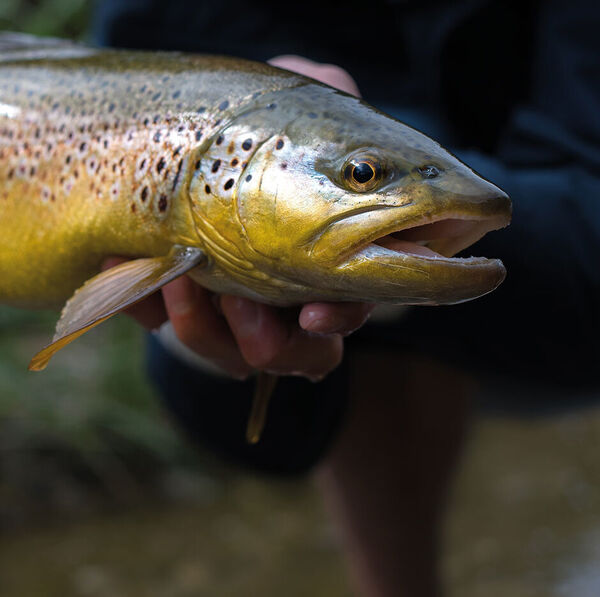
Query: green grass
pixel 60 18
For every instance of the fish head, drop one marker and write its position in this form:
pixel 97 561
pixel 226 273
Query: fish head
pixel 342 202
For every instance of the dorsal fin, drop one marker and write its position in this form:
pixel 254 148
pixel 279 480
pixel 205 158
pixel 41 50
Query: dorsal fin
pixel 22 46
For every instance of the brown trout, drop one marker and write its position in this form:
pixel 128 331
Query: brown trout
pixel 250 179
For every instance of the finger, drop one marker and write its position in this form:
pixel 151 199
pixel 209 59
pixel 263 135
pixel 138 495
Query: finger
pixel 200 327
pixel 269 343
pixel 151 312
pixel 330 74
pixel 334 318
pixel 308 356
pixel 259 330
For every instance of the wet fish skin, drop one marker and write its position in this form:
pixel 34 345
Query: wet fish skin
pixel 96 150
pixel 150 155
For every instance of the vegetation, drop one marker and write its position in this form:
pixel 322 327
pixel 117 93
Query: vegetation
pixel 92 415
pixel 60 18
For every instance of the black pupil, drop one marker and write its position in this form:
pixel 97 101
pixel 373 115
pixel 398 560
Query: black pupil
pixel 363 172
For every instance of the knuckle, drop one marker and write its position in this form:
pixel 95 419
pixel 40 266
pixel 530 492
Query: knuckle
pixel 257 360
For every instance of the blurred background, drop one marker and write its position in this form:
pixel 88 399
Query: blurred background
pixel 100 496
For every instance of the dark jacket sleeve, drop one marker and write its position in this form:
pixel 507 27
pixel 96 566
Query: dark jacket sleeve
pixel 543 322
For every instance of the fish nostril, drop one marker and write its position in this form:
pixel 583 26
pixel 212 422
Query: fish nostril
pixel 429 171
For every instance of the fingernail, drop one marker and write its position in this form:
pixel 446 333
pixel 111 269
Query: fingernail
pixel 315 323
pixel 246 315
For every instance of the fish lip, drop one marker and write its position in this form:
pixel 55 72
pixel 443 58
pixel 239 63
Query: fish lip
pixel 368 234
pixel 409 279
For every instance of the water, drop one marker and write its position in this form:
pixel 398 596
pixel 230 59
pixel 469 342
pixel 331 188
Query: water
pixel 524 520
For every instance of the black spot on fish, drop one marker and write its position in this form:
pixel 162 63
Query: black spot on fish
pixel 249 178
pixel 144 194
pixel 177 174
pixel 146 121
pixel 156 96
pixel 157 137
pixel 68 159
pixel 219 140
pixel 201 109
pixel 161 165
pixel 228 184
pixel 176 94
pixel 111 107
pixel 312 115
pixel 198 135
pixel 83 146
pixel 216 165
pixel 279 144
pixel 162 203
pixel 197 164
pixel 207 189
pixel 247 145
pixel 271 106
pixel 224 105
pixel 234 162
pixel 177 151
pixel 133 208
pixel 283 166
pixel 142 164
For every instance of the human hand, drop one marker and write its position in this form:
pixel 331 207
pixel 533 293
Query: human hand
pixel 326 73
pixel 240 335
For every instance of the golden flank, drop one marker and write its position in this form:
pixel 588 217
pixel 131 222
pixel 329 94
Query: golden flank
pixel 250 179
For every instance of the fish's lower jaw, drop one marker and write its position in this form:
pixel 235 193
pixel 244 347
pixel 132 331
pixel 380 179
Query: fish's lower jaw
pixel 381 275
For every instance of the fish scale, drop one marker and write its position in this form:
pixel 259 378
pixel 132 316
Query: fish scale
pixel 250 179
pixel 99 151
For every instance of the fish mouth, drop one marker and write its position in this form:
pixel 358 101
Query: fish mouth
pixel 406 254
pixel 439 237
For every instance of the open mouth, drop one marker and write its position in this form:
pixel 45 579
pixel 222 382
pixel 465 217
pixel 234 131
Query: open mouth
pixel 438 239
pixel 395 254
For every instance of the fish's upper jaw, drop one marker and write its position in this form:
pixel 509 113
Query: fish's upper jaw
pixel 428 229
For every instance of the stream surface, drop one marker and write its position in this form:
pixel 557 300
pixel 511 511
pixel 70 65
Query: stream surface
pixel 524 520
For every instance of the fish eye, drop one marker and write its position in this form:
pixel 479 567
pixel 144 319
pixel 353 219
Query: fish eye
pixel 362 173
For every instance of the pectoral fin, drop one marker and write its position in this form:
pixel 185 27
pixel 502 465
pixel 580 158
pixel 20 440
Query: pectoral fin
pixel 113 291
